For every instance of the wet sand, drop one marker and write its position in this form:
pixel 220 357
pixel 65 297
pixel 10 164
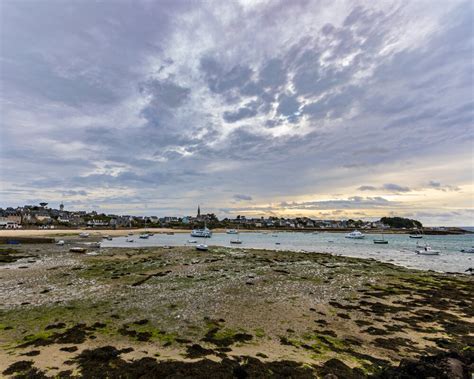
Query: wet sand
pixel 224 311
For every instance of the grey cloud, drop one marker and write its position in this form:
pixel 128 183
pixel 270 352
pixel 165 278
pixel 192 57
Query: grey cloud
pixel 241 113
pixel 392 187
pixel 166 92
pixel 273 74
pixel 240 197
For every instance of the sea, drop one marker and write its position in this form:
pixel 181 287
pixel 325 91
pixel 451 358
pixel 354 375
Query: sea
pixel 400 249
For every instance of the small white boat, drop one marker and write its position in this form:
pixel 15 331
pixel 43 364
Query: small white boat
pixel 144 236
pixel 236 241
pixel 129 239
pixel 192 241
pixel 469 251
pixel 84 235
pixel 417 236
pixel 60 243
pixel 201 247
pixel 427 250
pixel 355 235
pixel 77 249
pixel 232 231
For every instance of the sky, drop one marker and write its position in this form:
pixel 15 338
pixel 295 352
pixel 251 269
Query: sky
pixel 326 108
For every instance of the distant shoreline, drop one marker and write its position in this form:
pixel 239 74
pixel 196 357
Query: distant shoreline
pixel 96 232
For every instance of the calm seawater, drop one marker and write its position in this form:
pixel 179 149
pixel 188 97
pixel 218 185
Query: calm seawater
pixel 399 251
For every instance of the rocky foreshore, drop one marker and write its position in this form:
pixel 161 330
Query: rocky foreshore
pixel 157 312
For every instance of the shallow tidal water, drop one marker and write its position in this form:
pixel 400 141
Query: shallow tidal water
pixel 400 249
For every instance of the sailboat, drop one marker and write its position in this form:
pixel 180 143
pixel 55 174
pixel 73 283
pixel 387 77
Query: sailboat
pixel 236 241
pixel 144 234
pixel 417 235
pixel 382 241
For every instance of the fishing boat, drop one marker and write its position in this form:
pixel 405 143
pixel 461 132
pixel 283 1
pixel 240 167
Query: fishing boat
pixel 355 235
pixel 201 247
pixel 77 249
pixel 232 231
pixel 426 250
pixel 201 233
pixel 382 241
pixel 84 235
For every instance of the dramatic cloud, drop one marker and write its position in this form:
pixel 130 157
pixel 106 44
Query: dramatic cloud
pixel 153 107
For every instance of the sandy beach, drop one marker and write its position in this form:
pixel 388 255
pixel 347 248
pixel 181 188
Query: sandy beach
pixel 178 309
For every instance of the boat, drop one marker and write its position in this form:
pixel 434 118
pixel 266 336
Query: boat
pixel 274 235
pixel 84 235
pixel 95 245
pixel 130 233
pixel 277 243
pixel 232 231
pixel 77 249
pixel 129 239
pixel 427 250
pixel 201 233
pixel 201 247
pixel 192 241
pixel 417 235
pixel 108 238
pixel 60 243
pixel 170 233
pixel 470 251
pixel 382 241
pixel 92 253
pixel 355 235
pixel 144 235
pixel 236 241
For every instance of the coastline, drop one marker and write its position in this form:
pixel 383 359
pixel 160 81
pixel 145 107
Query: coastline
pixel 160 305
pixel 123 232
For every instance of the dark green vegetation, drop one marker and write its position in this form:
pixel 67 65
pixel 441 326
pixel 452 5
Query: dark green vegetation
pixel 256 313
pixel 400 222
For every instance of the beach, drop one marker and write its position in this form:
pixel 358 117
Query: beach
pixel 159 308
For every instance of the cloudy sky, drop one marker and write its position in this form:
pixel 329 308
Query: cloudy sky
pixel 322 108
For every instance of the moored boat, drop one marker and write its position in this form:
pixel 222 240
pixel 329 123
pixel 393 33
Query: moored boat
pixel 129 239
pixel 60 243
pixel 201 233
pixel 232 231
pixel 381 241
pixel 355 235
pixel 84 235
pixel 202 247
pixel 427 250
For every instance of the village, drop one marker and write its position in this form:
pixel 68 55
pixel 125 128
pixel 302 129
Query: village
pixel 43 217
